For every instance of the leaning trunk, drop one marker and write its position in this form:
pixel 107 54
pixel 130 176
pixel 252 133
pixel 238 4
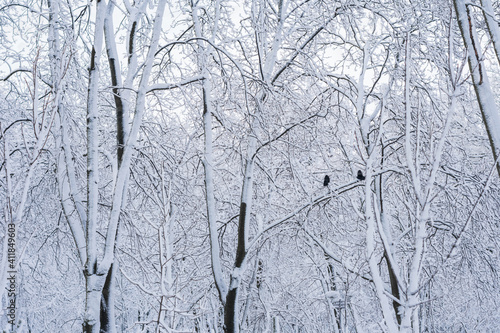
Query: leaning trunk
pixel 107 315
pixel 485 97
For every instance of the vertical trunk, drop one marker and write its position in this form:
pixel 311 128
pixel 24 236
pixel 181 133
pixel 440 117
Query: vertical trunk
pixel 116 82
pixel 388 244
pixel 485 97
pixel 94 285
pixel 420 232
pixel 208 161
pixel 335 308
pixel 93 139
pixel 230 311
pixel 68 188
pixel 107 313
pixel 165 318
pixel 370 251
pixel 231 315
pixel 364 120
pixel 91 322
pixel 393 280
pixel 276 325
pixel 210 194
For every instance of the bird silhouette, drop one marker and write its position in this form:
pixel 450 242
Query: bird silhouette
pixel 326 181
pixel 360 175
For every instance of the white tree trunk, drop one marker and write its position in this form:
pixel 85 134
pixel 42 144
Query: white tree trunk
pixel 93 281
pixel 208 161
pixel 372 257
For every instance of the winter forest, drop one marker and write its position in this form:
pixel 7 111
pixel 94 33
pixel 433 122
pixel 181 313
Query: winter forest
pixel 229 166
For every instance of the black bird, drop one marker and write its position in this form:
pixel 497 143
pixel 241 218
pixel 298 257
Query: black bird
pixel 326 181
pixel 360 175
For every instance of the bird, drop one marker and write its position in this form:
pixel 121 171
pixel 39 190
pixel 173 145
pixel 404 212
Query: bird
pixel 326 181
pixel 360 175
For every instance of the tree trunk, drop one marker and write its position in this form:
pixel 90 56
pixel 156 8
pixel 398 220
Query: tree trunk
pixel 393 280
pixel 107 315
pixel 94 285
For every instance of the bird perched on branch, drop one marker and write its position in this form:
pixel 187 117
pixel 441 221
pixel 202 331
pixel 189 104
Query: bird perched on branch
pixel 360 175
pixel 326 181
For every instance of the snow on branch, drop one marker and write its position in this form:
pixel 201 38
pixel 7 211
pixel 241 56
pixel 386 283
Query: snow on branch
pixel 169 86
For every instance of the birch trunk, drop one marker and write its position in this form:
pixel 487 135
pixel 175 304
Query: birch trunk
pixel 68 187
pixel 371 247
pixel 93 282
pixel 231 310
pixel 208 161
pixel 420 232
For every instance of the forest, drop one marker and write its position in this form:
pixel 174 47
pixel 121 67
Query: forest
pixel 269 166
